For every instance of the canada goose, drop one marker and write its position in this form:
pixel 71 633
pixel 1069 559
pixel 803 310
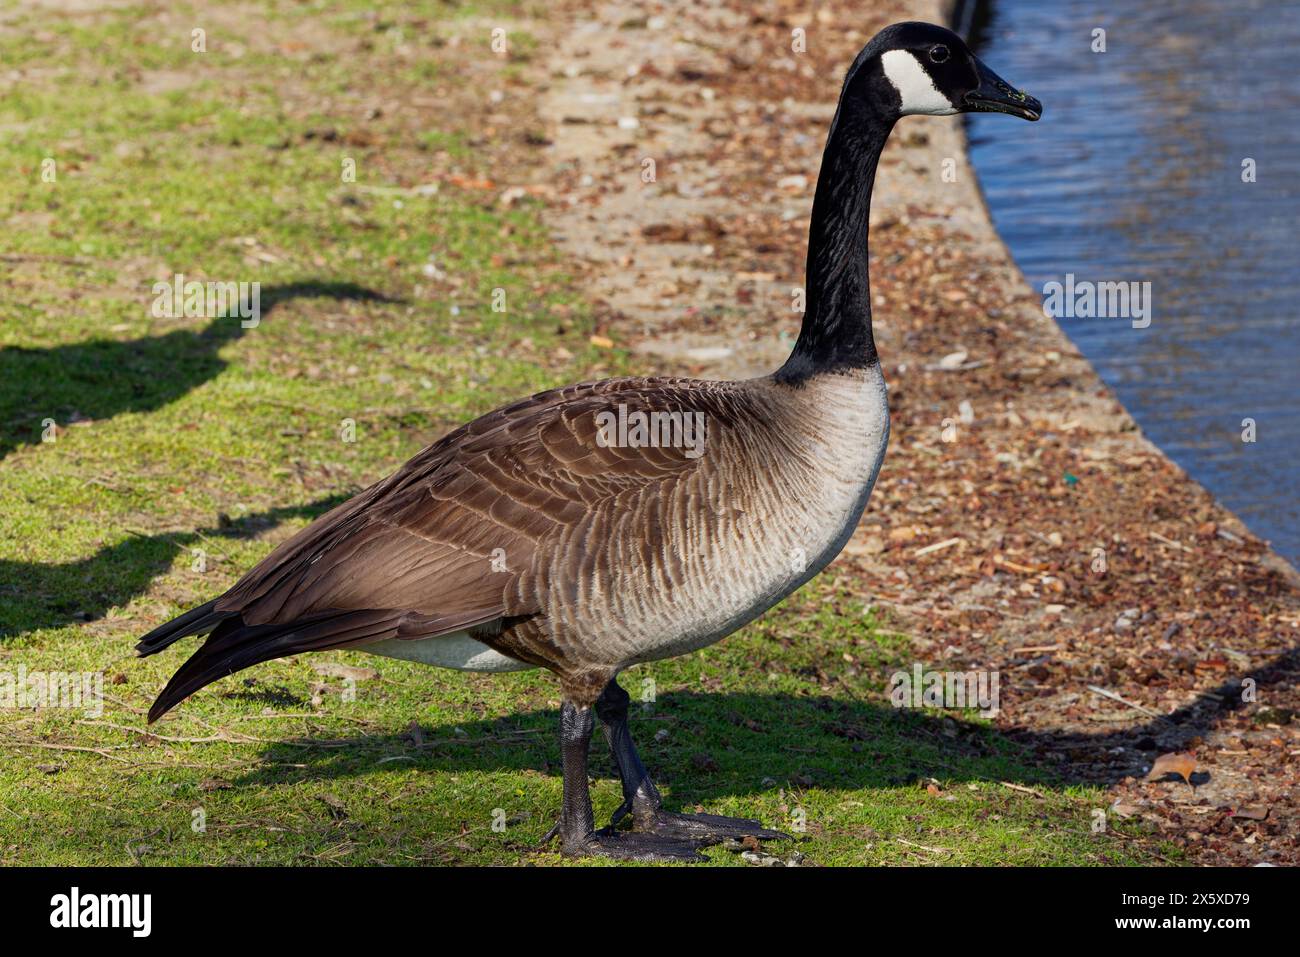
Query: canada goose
pixel 590 528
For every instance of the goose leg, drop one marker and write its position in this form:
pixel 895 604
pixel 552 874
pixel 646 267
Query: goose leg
pixel 641 798
pixel 576 830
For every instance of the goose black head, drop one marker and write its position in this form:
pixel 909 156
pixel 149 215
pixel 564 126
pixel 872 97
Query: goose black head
pixel 929 70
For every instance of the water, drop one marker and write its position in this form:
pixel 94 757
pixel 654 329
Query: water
pixel 1135 174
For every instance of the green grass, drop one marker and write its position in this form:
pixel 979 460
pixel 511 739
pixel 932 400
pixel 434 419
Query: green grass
pixel 184 448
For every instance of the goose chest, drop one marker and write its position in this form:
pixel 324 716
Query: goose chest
pixel 781 492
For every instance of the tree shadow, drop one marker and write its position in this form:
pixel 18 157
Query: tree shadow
pixel 33 593
pixel 102 378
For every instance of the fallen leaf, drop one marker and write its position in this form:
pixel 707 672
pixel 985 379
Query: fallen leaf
pixel 1251 813
pixel 468 182
pixel 1180 763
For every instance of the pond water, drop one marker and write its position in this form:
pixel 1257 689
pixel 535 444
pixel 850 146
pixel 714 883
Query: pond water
pixel 1135 174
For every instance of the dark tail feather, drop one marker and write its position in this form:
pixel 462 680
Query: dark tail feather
pixel 196 621
pixel 233 646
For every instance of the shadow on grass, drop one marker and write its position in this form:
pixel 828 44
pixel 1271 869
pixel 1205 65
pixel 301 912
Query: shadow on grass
pixel 718 745
pixel 32 592
pixel 105 377
pixel 727 744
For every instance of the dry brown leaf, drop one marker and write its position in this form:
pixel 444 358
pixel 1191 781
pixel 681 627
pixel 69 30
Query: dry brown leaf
pixel 1251 813
pixel 469 182
pixel 1180 763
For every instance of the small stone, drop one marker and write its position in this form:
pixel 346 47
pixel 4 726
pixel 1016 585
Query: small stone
pixel 953 360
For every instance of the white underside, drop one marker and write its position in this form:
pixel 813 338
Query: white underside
pixel 456 650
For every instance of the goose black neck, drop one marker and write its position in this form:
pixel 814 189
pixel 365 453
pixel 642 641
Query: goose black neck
pixel 836 331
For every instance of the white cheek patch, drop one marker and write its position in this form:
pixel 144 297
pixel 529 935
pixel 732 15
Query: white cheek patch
pixel 914 85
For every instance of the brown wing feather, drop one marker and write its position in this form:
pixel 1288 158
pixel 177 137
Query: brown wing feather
pixel 423 539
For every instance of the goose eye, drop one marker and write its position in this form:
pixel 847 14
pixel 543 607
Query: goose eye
pixel 938 53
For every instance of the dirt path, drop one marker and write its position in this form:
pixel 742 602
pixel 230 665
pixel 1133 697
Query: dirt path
pixel 1021 524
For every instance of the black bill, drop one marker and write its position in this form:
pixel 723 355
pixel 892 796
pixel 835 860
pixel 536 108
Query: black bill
pixel 995 95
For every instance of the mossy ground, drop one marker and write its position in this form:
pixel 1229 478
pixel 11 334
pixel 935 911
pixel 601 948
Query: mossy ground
pixel 183 449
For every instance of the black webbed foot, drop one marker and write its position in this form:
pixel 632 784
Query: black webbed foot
pixel 704 829
pixel 629 846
